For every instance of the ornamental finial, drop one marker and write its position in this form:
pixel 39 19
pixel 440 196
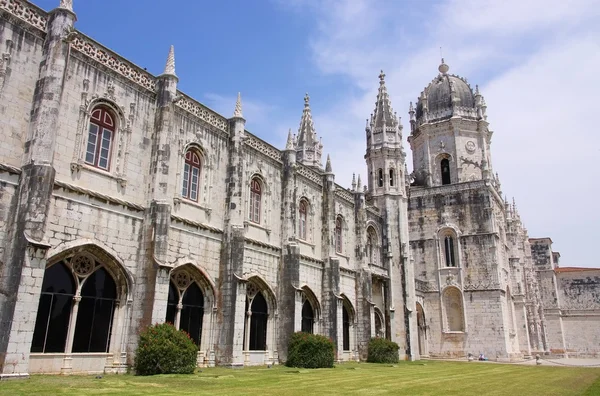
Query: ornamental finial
pixel 66 4
pixel 170 65
pixel 443 68
pixel 238 107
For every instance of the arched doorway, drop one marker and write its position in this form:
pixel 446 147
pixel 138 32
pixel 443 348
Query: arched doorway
pixel 308 317
pixel 259 326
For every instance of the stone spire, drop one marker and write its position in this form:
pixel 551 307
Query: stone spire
pixel 238 107
pixel 290 141
pixel 328 168
pixel 383 117
pixel 308 147
pixel 354 182
pixel 66 4
pixel 170 65
pixel 358 184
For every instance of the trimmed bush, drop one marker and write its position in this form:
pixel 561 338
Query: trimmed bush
pixel 162 349
pixel 310 351
pixel 382 351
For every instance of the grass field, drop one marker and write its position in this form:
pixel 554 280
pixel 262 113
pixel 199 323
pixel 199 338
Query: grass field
pixel 405 378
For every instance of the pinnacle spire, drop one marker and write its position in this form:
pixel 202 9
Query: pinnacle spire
pixel 328 168
pixel 358 184
pixel 170 65
pixel 354 182
pixel 383 116
pixel 308 147
pixel 238 106
pixel 290 141
pixel 66 4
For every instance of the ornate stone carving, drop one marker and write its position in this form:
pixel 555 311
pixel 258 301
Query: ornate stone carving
pixel 203 113
pixel 83 264
pixel 310 175
pixel 470 147
pixel 113 62
pixel 263 148
pixel 182 279
pixel 24 11
pixel 341 193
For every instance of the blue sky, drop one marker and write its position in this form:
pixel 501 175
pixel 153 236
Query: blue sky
pixel 535 61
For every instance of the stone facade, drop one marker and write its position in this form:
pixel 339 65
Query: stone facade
pixel 124 202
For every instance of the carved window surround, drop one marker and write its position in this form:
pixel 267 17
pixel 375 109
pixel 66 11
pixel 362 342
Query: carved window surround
pixel 122 140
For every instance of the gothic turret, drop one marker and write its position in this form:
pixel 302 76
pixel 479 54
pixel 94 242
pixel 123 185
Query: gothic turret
pixel 308 147
pixel 385 155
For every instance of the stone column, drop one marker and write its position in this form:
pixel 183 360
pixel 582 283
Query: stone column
pixel 21 276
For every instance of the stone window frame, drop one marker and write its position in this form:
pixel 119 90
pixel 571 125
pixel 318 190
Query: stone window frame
pixel 380 178
pixel 375 256
pixel 339 234
pixel 256 284
pixel 309 224
pixel 121 138
pixel 345 303
pixel 392 177
pixel 445 311
pixel 307 295
pixel 106 122
pixel 194 149
pixel 195 274
pixel 89 259
pixel 377 313
pixel 438 169
pixel 448 232
pixel 255 199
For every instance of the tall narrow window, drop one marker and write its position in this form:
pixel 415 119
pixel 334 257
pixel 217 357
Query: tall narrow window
pixel 191 176
pixel 338 235
pixel 371 245
pixel 346 328
pixel 96 309
pixel 453 310
pixel 449 251
pixel 302 219
pixel 380 177
pixel 192 312
pixel 391 178
pixel 258 323
pixel 255 199
pixel 54 310
pixel 445 164
pixel 308 317
pixel 100 137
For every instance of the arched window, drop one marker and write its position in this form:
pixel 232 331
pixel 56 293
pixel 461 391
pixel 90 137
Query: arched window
pixel 338 234
pixel 308 317
pixel 79 299
pixel 258 323
pixel 54 310
pixel 191 175
pixel 172 303
pixel 392 177
pixel 96 309
pixel 379 330
pixel 189 315
pixel 453 309
pixel 101 133
pixel 255 200
pixel 449 251
pixel 371 245
pixel 380 177
pixel 346 328
pixel 192 312
pixel 302 212
pixel 445 165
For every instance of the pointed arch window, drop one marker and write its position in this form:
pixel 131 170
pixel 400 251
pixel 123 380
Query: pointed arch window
pixel 445 169
pixel 371 245
pixel 255 200
pixel 392 177
pixel 449 251
pixel 380 177
pixel 185 306
pixel 258 323
pixel 101 133
pixel 302 214
pixel 346 328
pixel 338 234
pixel 191 175
pixel 308 317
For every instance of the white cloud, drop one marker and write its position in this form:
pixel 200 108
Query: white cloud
pixel 536 61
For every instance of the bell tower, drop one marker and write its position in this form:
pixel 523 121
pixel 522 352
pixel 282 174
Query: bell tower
pixel 450 139
pixel 385 155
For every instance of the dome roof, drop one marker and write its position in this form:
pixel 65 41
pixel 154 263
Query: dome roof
pixel 445 92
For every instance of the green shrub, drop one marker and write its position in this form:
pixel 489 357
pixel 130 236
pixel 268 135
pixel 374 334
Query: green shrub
pixel 310 351
pixel 162 349
pixel 382 351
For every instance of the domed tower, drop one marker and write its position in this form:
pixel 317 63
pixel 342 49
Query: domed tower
pixel 449 137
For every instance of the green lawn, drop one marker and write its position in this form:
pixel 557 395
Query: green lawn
pixel 405 378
